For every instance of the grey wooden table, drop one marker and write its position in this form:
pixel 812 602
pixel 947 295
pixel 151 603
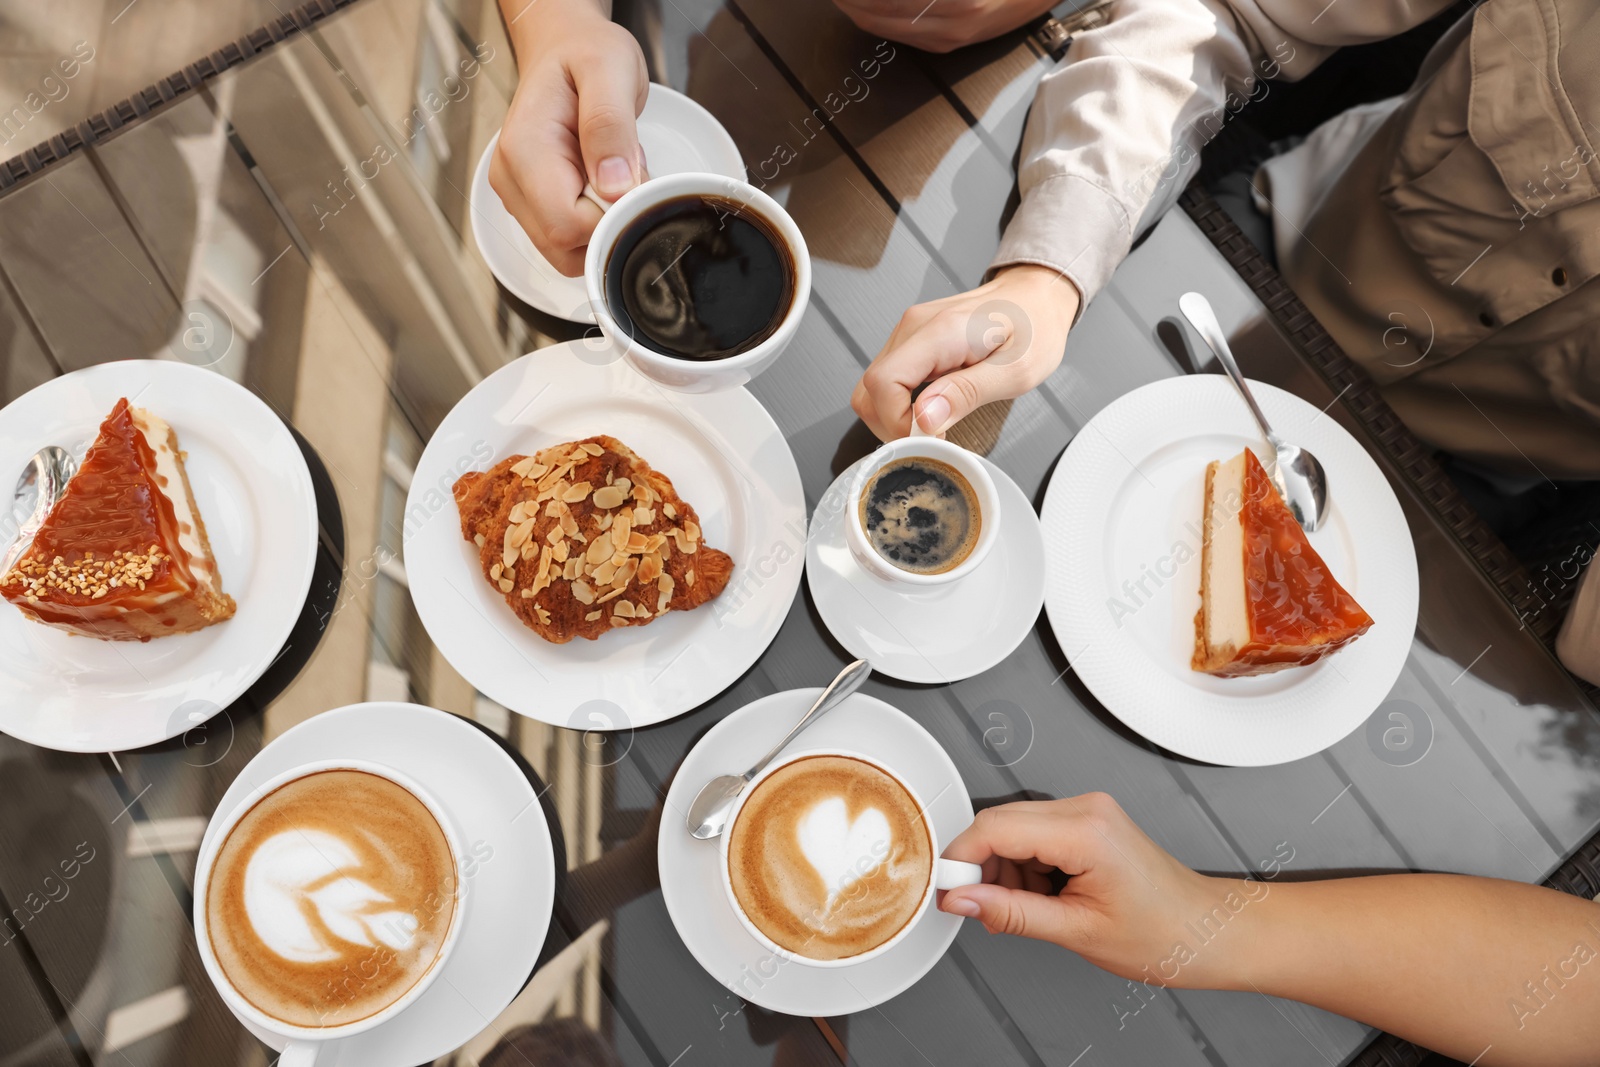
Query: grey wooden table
pixel 356 305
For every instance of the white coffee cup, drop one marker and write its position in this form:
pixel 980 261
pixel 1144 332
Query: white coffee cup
pixel 304 1042
pixel 968 465
pixel 946 874
pixel 687 375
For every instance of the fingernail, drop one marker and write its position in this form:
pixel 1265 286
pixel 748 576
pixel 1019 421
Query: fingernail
pixel 615 177
pixel 961 906
pixel 935 413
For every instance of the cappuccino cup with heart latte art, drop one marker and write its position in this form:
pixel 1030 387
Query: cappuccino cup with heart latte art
pixel 831 860
pixel 326 903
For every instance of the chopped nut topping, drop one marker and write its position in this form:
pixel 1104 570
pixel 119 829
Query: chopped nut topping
pixel 650 568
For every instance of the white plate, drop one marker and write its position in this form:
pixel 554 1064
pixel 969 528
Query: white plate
pixel 691 884
pixel 500 822
pixel 724 455
pixel 1124 505
pixel 253 490
pixel 942 634
pixel 677 135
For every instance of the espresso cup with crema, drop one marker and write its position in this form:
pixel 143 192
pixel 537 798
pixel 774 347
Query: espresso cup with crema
pixel 830 859
pixel 921 512
pixel 328 901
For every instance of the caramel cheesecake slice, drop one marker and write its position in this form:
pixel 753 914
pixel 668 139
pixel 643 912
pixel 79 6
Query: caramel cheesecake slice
pixel 123 555
pixel 1267 600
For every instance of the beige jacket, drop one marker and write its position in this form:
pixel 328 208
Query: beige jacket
pixel 1444 239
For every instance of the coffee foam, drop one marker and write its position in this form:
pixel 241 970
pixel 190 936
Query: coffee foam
pixel 330 898
pixel 921 515
pixel 829 857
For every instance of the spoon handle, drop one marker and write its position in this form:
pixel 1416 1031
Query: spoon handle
pixel 847 682
pixel 1197 309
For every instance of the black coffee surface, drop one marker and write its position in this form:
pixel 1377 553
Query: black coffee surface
pixel 921 515
pixel 700 277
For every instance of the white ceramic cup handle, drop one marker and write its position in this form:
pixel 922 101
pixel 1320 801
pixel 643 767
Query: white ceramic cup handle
pixel 298 1054
pixel 953 874
pixel 593 196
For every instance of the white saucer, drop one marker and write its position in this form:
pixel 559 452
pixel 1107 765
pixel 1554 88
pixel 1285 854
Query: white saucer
pixel 513 890
pixel 1129 491
pixel 677 135
pixel 253 490
pixel 943 634
pixel 724 455
pixel 691 883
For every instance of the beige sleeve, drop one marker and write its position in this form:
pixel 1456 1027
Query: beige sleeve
pixel 1117 127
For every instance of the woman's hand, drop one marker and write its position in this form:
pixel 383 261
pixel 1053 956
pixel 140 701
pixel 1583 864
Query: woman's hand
pixel 1125 904
pixel 572 119
pixel 942 27
pixel 995 342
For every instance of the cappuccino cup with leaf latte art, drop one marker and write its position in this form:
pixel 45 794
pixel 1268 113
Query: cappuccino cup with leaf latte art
pixel 326 903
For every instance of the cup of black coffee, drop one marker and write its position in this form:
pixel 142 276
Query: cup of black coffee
pixel 922 512
pixel 700 280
